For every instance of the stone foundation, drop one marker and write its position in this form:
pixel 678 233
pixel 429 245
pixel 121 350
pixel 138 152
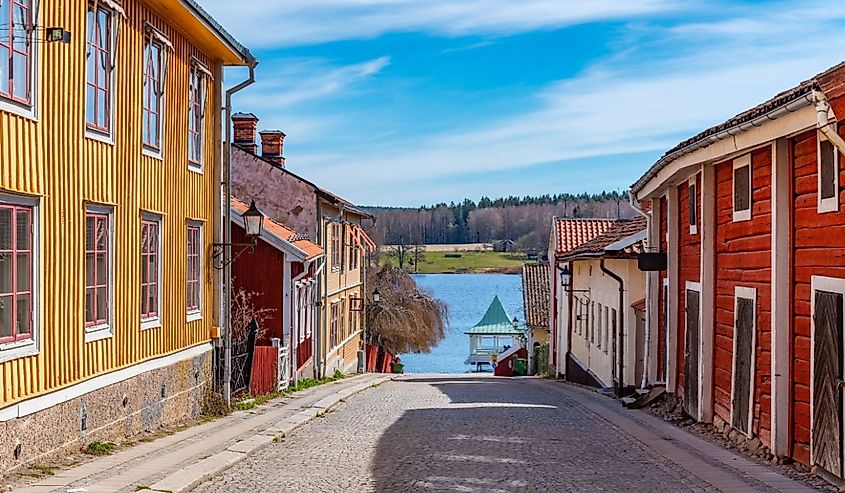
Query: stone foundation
pixel 147 402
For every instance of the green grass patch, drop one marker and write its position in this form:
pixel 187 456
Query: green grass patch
pixel 306 383
pixel 100 448
pixel 470 262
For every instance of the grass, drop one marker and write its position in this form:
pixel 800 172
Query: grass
pixel 307 383
pixel 100 448
pixel 470 262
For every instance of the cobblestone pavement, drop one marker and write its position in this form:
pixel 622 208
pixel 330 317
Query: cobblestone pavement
pixel 461 433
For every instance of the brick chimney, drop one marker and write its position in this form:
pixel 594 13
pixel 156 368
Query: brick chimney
pixel 246 126
pixel 273 146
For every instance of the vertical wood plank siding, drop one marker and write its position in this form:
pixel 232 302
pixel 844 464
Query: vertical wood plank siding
pixel 817 245
pixel 51 158
pixel 743 258
pixel 689 266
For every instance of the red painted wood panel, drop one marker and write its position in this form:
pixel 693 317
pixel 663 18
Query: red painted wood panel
pixel 265 362
pixel 818 249
pixel 689 268
pixel 261 272
pixel 743 258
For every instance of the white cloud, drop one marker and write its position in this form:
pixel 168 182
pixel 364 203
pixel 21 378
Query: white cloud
pixel 274 23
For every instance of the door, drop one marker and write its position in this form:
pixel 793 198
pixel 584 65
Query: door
pixel 691 354
pixel 743 361
pixel 827 380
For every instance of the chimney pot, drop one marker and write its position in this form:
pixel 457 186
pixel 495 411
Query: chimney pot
pixel 273 146
pixel 246 127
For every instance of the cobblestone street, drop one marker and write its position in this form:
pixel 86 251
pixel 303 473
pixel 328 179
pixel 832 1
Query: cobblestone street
pixel 476 433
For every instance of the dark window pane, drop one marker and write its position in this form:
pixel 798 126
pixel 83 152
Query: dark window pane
pixel 102 268
pixel 89 269
pixel 102 304
pixel 693 209
pixel 6 266
pixel 23 229
pixel 6 313
pixel 24 272
pixel 24 315
pixel 742 188
pixel 5 229
pixel 89 305
pixel 19 72
pixel 102 234
pixel 827 179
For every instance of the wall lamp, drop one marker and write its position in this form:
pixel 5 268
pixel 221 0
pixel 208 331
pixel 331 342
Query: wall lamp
pixel 253 226
pixel 566 280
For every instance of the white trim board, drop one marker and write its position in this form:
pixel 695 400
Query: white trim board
pixel 47 401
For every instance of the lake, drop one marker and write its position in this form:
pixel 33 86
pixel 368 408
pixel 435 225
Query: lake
pixel 467 296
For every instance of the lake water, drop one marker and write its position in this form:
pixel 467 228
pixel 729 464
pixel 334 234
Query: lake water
pixel 467 296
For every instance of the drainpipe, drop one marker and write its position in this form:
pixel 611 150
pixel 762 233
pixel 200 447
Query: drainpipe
pixel 823 121
pixel 648 285
pixel 620 329
pixel 227 237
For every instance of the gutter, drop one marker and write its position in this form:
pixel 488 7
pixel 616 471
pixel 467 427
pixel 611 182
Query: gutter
pixel 620 356
pixel 825 125
pixel 227 236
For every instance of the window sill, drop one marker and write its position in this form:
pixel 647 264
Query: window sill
pixel 18 349
pixel 18 109
pixel 153 323
pixel 194 316
pixel 146 151
pixel 742 216
pixel 828 205
pixel 99 137
pixel 97 333
pixel 195 168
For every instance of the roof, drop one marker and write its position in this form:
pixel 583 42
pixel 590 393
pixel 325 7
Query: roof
pixel 495 322
pixel 573 232
pixel 625 238
pixel 535 294
pixel 798 95
pixel 275 230
pixel 218 29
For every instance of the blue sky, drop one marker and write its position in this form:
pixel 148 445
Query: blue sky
pixel 411 102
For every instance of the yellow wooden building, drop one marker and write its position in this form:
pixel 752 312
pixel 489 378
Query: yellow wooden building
pixel 110 165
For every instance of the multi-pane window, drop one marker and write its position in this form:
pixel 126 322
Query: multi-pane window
pixel 98 67
pixel 343 327
pixel 153 92
pixel 196 115
pixel 742 188
pixel 16 272
pixel 354 253
pixel 333 332
pixel 16 50
pixel 97 269
pixel 194 287
pixel 336 258
pixel 828 176
pixel 150 268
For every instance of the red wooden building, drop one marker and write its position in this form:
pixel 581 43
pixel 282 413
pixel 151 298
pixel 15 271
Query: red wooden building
pixel 281 272
pixel 746 323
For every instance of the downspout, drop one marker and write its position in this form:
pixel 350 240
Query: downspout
pixel 620 329
pixel 227 236
pixel 648 286
pixel 823 113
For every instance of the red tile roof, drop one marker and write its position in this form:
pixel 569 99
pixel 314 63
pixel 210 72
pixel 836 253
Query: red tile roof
pixel 618 231
pixel 574 232
pixel 300 241
pixel 535 294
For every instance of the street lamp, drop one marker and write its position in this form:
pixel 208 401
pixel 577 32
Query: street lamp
pixel 376 296
pixel 566 280
pixel 253 226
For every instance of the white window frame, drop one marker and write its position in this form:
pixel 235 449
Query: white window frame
pixel 204 78
pixel 29 111
pixel 830 204
pixel 28 347
pixel 155 322
pixel 692 182
pixel 153 35
pixel 744 215
pixel 197 314
pixel 104 331
pixel 747 294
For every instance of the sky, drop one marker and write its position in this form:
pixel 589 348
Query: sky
pixel 413 102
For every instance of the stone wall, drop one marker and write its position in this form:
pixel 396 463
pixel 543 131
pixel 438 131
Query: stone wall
pixel 145 403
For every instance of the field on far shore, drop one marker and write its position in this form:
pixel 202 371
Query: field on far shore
pixel 463 262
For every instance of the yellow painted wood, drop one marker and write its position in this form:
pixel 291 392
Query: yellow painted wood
pixel 52 159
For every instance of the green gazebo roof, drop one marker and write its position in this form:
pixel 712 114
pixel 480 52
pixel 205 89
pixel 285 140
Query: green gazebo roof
pixel 496 322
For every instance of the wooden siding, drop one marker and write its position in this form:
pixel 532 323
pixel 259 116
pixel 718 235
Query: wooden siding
pixel 743 258
pixel 689 267
pixel 262 273
pixel 817 250
pixel 50 158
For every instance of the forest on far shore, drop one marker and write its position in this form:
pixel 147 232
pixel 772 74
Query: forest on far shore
pixel 525 220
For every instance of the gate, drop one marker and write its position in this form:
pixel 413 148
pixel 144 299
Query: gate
pixel 827 380
pixel 691 354
pixel 284 368
pixel 242 352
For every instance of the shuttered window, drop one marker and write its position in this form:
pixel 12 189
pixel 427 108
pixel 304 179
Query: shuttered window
pixel 828 174
pixel 744 358
pixel 16 272
pixel 742 188
pixel 16 50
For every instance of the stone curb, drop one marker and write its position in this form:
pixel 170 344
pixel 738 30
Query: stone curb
pixel 190 477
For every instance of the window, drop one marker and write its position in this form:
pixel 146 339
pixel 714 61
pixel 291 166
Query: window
pixel 828 175
pixel 343 327
pixel 155 73
pixel 196 115
pixel 16 27
pixel 693 206
pixel 150 270
pixel 335 246
pixel 99 66
pixel 613 326
pixel 194 271
pixel 16 274
pixel 600 326
pixel 354 253
pixel 593 322
pixel 742 188
pixel 334 325
pixel 607 336
pixel 744 340
pixel 98 272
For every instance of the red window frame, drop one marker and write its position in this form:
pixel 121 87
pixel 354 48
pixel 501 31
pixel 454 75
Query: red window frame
pixel 93 286
pixel 194 287
pixel 14 251
pixel 195 117
pixel 98 78
pixel 150 264
pixel 8 43
pixel 153 94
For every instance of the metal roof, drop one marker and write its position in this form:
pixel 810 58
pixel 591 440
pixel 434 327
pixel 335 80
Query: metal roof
pixel 220 31
pixel 495 322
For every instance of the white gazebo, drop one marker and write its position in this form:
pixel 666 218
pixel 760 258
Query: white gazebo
pixel 493 335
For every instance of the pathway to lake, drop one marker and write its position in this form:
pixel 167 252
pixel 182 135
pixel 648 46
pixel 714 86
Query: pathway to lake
pixel 467 296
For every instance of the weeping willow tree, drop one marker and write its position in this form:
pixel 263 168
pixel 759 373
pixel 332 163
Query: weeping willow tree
pixel 406 320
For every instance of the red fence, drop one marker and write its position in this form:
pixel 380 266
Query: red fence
pixel 265 372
